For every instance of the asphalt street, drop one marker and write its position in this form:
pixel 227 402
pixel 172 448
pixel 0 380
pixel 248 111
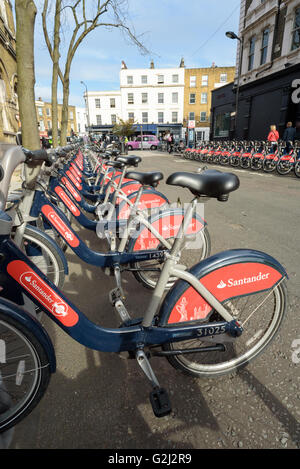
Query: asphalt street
pixel 97 400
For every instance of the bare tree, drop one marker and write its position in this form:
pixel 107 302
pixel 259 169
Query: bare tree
pixel 114 11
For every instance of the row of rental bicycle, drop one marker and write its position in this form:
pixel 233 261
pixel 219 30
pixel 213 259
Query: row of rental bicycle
pixel 207 315
pixel 283 157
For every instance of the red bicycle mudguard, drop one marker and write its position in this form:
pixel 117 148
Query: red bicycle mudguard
pixel 227 275
pixel 167 223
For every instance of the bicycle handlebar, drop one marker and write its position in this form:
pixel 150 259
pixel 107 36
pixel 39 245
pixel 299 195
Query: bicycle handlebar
pixel 38 156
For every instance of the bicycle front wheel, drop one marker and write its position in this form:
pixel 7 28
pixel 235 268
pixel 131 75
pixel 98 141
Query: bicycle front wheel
pixel 24 372
pixel 44 255
pixel 260 315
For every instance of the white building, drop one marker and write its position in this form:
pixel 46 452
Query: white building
pixel 81 119
pixel 151 96
pixel 103 107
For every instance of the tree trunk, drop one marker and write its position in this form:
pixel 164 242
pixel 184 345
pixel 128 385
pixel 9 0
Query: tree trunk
pixel 56 56
pixel 25 21
pixel 65 110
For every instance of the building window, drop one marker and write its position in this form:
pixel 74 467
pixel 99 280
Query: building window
pixel 42 126
pixel 130 98
pixel 98 119
pixel 112 102
pixel 160 118
pixel 48 112
pixel 174 98
pixel 145 117
pixel 203 98
pixel 160 79
pixel 40 109
pixel 49 124
pixel 174 117
pixel 203 116
pixel 204 80
pixel 264 46
pixel 175 78
pixel 192 98
pixel 144 80
pixel 131 116
pixel 296 30
pixel 251 53
pixel 223 78
pixel 160 98
pixel 144 98
pixel 129 80
pixel 71 115
pixel 192 81
pixel 222 125
pixel 113 119
pixel 97 103
pixel 191 116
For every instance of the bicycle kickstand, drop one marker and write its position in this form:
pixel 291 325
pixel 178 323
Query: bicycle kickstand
pixel 159 398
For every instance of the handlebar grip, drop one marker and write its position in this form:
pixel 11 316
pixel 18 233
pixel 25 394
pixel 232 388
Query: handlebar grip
pixel 38 156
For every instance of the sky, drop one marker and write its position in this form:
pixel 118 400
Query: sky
pixel 169 29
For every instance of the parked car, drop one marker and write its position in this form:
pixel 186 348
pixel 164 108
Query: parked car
pixel 149 142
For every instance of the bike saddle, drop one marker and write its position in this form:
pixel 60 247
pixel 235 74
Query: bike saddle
pixel 129 160
pixel 147 179
pixel 210 183
pixel 116 164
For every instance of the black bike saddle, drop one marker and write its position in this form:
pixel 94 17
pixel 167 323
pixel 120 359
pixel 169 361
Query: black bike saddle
pixel 210 183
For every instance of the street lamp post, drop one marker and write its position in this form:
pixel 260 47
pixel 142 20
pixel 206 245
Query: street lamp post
pixel 87 103
pixel 232 35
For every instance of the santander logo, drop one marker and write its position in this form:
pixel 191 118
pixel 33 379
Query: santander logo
pixel 242 281
pixel 40 290
pixel 61 227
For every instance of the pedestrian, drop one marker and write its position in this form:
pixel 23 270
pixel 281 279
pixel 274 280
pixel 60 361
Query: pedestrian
pixel 273 137
pixel 289 134
pixel 273 134
pixel 170 142
pixel 126 145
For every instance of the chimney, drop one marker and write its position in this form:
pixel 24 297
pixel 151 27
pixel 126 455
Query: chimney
pixel 151 64
pixel 182 63
pixel 124 66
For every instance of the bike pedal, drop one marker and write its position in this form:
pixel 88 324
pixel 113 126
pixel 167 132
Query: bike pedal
pixel 160 402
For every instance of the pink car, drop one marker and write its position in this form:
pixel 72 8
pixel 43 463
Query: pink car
pixel 150 142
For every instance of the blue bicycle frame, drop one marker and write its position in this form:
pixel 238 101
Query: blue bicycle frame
pixel 20 275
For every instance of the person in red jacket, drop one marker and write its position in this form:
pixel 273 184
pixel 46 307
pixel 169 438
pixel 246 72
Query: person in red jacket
pixel 273 134
pixel 273 137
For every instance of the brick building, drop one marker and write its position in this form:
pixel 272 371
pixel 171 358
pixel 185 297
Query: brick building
pixel 199 82
pixel 44 117
pixel 9 117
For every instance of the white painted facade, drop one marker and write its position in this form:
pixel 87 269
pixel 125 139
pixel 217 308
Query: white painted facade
pixel 152 96
pixel 261 17
pixel 81 120
pixel 103 107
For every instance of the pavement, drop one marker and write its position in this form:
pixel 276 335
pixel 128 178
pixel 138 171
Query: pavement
pixel 99 401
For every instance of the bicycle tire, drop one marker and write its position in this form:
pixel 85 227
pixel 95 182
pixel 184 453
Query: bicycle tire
pixel 297 169
pixel 282 169
pixel 206 368
pixel 269 166
pixel 47 258
pixel 24 372
pixel 149 280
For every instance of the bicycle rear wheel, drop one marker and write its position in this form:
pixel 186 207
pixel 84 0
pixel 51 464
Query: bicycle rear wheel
pixel 260 315
pixel 24 372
